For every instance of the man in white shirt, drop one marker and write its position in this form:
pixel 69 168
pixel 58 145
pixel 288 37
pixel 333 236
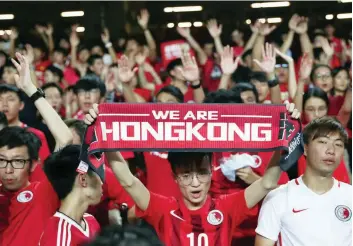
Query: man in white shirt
pixel 314 209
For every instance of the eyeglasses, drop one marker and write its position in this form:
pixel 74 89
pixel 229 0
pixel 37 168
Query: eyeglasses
pixel 323 76
pixel 281 65
pixel 16 164
pixel 186 178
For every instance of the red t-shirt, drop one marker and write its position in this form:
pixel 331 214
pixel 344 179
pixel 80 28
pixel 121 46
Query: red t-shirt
pixel 62 230
pixel 211 75
pixel 113 197
pixel 238 50
pixel 25 213
pixel 44 151
pixel 336 103
pixel 40 68
pixel 341 172
pixel 212 224
pixel 160 178
pixel 70 76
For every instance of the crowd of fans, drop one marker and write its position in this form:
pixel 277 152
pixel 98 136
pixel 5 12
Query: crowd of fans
pixel 75 77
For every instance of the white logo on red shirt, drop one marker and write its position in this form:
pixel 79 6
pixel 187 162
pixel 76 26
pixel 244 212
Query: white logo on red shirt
pixel 25 196
pixel 175 215
pixel 215 217
pixel 343 213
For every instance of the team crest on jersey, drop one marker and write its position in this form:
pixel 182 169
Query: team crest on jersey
pixel 343 213
pixel 25 196
pixel 215 217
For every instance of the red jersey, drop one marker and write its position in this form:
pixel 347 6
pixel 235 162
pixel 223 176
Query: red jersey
pixel 113 197
pixel 336 103
pixel 211 75
pixel 160 178
pixel 24 213
pixel 212 224
pixel 61 230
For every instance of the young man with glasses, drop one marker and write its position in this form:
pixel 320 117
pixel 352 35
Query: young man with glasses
pixel 26 206
pixel 194 219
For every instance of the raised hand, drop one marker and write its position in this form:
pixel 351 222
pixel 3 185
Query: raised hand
pixel 125 74
pixel 23 80
pixel 184 31
pixel 306 67
pixel 40 29
pixel 268 59
pixel 214 29
pixel 302 26
pixel 14 34
pixel 105 36
pixel 255 28
pixel 49 30
pixel 92 114
pixel 293 22
pixel 74 40
pixel 190 70
pixel 327 47
pixel 228 64
pixel 143 18
pixel 265 29
pixel 29 54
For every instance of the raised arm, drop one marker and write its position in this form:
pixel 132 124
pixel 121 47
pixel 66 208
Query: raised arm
pixel 74 42
pixel 201 55
pixel 228 66
pixel 143 20
pixel 304 74
pixel 302 30
pixel 293 22
pixel 138 192
pixel 56 125
pixel 292 80
pixel 261 187
pixel 267 65
pixel 106 40
pixel 250 43
pixel 13 37
pixel 215 31
pixel 190 72
pixel 49 30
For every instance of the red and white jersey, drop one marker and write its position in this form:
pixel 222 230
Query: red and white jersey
pixel 293 215
pixel 61 230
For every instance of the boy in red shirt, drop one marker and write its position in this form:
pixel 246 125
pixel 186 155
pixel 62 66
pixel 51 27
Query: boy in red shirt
pixel 70 225
pixel 196 218
pixel 26 206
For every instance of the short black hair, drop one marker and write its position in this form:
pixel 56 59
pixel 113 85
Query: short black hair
pixel 4 88
pixel 222 96
pixel 336 70
pixel 317 52
pixel 242 87
pixel 16 136
pixel 174 91
pixel 324 126
pixel 259 76
pixel 242 74
pixel 61 169
pixel 317 67
pixel 91 60
pixel 88 83
pixel 128 235
pixel 53 85
pixel 78 125
pixel 315 92
pixel 62 51
pixel 171 65
pixel 56 71
pixel 3 119
pixel 188 161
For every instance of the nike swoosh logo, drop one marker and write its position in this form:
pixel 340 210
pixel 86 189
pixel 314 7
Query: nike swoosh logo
pixel 176 216
pixel 298 211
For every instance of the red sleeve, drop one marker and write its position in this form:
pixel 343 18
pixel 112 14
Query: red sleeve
pixel 50 233
pixel 44 151
pixel 115 191
pixel 235 204
pixel 157 207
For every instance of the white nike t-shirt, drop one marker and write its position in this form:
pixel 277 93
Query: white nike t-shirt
pixel 293 215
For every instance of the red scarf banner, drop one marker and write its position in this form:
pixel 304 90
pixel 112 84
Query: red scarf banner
pixel 190 127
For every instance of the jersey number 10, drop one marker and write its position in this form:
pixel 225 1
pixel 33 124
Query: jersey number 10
pixel 202 239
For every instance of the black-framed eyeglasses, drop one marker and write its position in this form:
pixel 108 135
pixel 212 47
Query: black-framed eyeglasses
pixel 186 178
pixel 16 164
